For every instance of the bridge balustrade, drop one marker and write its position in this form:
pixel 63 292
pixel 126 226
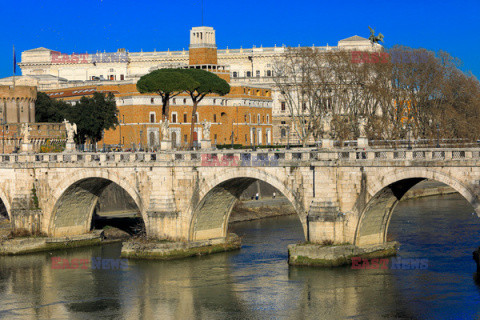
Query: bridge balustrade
pixel 249 158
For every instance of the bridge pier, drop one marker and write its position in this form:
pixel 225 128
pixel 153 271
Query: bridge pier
pixel 325 223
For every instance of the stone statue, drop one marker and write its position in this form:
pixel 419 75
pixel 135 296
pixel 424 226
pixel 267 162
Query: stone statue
pixel 71 130
pixel 164 130
pixel 362 123
pixel 206 129
pixel 326 126
pixel 25 132
pixel 373 38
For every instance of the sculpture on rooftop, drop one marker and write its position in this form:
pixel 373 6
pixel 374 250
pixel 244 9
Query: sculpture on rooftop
pixel 373 38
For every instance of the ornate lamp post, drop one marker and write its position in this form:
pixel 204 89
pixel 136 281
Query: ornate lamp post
pixel 438 136
pixel 409 135
pixel 288 137
pixel 3 133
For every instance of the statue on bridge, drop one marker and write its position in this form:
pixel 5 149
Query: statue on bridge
pixel 206 129
pixel 362 123
pixel 164 130
pixel 25 133
pixel 71 130
pixel 326 125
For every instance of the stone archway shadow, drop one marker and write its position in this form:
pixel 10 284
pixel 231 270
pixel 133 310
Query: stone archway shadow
pixel 76 198
pixel 210 215
pixel 385 194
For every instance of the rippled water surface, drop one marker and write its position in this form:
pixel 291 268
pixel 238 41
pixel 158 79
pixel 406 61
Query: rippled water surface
pixel 256 282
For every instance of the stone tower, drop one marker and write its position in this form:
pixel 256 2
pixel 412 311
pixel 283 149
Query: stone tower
pixel 203 49
pixel 17 105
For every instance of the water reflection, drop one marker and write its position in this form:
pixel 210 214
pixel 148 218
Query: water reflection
pixel 256 282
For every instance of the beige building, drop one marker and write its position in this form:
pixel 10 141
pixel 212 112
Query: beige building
pixel 247 66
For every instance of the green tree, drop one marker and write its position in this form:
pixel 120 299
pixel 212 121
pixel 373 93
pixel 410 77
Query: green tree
pixel 207 83
pixel 49 110
pixel 93 116
pixel 167 83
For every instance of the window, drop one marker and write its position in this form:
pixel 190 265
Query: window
pixel 174 117
pixel 174 101
pixel 235 74
pixel 248 74
pixel 152 117
pixel 268 118
pixel 283 133
pixel 223 117
pixel 185 139
pixel 215 137
pixel 214 101
pixel 269 73
pixel 304 106
pixel 196 117
pixel 258 73
pixel 122 77
pixel 258 118
pixel 283 108
pixel 152 100
pixel 283 122
pixel 246 138
pixel 214 118
pixel 184 101
pixel 184 117
pixel 245 118
pixel 112 70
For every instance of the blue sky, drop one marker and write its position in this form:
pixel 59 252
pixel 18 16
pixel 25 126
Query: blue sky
pixel 91 25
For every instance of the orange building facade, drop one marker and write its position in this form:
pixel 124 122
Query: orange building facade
pixel 244 116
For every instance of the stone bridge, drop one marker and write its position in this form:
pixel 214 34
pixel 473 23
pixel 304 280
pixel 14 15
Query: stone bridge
pixel 344 195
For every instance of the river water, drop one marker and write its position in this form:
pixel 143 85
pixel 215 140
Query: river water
pixel 257 283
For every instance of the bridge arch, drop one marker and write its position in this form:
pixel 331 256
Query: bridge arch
pixel 216 198
pixel 6 205
pixel 385 194
pixel 75 200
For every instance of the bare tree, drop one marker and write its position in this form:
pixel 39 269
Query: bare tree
pixel 302 78
pixel 415 93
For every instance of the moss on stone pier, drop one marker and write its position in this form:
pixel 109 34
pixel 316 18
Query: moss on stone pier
pixel 25 245
pixel 315 255
pixel 177 250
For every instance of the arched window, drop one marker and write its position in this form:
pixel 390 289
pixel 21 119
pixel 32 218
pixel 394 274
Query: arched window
pixel 283 133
